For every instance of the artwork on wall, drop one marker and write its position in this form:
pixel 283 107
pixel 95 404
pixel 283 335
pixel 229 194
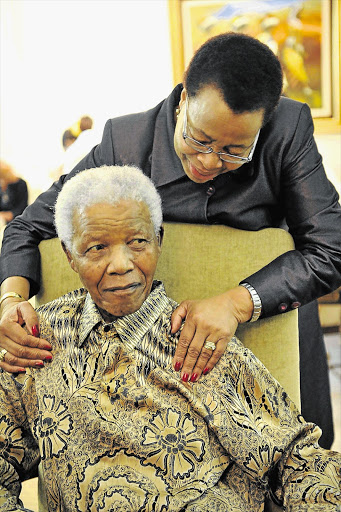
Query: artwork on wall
pixel 298 31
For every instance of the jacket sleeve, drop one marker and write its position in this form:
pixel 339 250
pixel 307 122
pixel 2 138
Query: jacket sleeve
pixel 313 215
pixel 20 254
pixel 21 198
pixel 19 453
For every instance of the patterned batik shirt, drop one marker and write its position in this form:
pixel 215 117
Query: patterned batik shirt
pixel 116 429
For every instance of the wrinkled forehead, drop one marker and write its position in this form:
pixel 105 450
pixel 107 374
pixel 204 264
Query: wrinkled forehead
pixel 124 214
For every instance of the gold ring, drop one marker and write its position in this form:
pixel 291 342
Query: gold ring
pixel 210 345
pixel 3 352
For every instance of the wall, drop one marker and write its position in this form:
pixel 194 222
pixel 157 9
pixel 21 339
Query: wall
pixel 61 59
pixel 329 146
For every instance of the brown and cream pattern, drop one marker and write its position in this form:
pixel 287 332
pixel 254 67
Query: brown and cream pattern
pixel 116 429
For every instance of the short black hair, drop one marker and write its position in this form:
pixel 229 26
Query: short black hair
pixel 246 71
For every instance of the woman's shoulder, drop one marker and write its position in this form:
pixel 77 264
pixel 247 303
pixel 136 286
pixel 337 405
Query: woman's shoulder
pixel 289 111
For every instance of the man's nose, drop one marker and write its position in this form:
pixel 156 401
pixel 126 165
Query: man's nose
pixel 120 260
pixel 210 161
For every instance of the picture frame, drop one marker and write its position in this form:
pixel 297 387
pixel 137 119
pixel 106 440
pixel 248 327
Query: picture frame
pixel 305 34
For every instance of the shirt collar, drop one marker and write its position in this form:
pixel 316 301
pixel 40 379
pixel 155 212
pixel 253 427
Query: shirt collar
pixel 90 317
pixel 130 328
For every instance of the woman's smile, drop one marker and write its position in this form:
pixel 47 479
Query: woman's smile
pixel 201 175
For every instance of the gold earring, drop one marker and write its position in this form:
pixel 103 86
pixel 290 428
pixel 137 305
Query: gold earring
pixel 177 112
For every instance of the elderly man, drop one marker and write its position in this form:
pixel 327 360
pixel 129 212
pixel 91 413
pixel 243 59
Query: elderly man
pixel 114 426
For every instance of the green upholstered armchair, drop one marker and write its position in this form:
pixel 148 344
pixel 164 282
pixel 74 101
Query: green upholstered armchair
pixel 199 261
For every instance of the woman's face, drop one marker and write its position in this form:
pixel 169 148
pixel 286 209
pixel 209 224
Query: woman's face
pixel 211 122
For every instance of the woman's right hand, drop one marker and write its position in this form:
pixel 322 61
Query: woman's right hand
pixel 23 349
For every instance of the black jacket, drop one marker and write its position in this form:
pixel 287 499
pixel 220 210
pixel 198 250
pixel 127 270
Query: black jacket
pixel 284 185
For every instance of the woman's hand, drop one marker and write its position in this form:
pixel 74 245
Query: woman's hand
pixel 22 349
pixel 214 319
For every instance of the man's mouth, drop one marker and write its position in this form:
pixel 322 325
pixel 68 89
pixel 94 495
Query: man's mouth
pixel 123 289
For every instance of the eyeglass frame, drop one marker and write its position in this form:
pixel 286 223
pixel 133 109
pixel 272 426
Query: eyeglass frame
pixel 209 149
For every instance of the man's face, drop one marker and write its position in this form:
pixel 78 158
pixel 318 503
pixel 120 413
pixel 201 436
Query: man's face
pixel 115 252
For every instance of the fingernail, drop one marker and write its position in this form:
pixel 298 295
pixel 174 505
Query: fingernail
pixel 21 370
pixel 185 377
pixel 177 366
pixel 205 372
pixel 35 331
pixel 48 358
pixel 40 364
pixel 47 347
pixel 194 377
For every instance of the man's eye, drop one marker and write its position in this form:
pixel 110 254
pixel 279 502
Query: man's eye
pixel 138 242
pixel 95 248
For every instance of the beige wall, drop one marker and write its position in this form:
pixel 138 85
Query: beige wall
pixel 63 59
pixel 55 69
pixel 330 148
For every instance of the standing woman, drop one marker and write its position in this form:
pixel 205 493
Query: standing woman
pixel 223 148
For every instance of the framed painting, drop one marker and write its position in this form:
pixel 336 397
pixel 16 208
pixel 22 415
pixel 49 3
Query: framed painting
pixel 304 34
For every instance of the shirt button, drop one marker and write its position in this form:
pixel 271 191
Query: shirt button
pixel 295 305
pixel 106 328
pixel 210 191
pixel 283 307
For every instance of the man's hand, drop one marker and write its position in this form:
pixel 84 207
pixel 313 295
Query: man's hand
pixel 22 349
pixel 215 320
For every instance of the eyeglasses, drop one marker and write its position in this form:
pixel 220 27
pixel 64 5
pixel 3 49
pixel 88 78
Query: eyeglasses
pixel 203 148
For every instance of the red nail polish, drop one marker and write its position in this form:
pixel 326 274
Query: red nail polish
pixel 194 377
pixel 205 372
pixel 177 366
pixel 48 358
pixel 35 331
pixel 185 377
pixel 40 364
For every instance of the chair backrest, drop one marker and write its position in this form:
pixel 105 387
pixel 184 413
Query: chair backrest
pixel 200 261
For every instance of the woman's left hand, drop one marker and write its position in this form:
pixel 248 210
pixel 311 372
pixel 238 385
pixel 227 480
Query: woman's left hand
pixel 212 320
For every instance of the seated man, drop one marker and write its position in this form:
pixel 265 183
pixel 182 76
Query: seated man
pixel 113 425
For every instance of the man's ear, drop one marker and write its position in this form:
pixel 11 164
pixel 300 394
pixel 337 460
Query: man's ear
pixel 69 257
pixel 160 236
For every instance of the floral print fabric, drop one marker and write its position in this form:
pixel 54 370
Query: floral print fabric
pixel 116 429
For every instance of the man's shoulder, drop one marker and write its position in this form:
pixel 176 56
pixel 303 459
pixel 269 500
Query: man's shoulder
pixel 71 302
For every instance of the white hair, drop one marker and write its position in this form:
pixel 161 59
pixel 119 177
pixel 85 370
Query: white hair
pixel 106 184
